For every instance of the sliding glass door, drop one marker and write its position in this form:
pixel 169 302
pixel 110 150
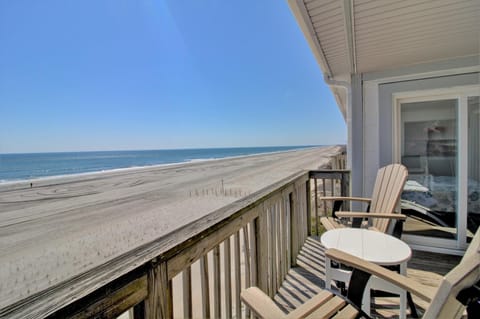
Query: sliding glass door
pixel 438 140
pixel 473 204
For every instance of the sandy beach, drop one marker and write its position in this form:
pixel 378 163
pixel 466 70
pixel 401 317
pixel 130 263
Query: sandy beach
pixel 62 227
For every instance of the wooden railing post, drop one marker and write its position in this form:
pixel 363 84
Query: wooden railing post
pixel 253 240
pixel 294 228
pixel 139 311
pixel 159 300
pixel 217 308
pixel 187 292
pixel 273 248
pixel 288 230
pixel 227 278
pixel 302 188
pixel 339 186
pixel 237 270
pixel 345 187
pixel 316 205
pixel 205 287
pixel 309 207
pixel 262 250
pixel 282 239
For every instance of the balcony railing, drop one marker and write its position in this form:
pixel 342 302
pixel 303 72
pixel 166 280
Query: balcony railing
pixel 200 269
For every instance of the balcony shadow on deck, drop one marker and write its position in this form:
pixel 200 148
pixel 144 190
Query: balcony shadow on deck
pixel 307 278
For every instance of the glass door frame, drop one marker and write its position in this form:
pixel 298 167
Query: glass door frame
pixel 460 94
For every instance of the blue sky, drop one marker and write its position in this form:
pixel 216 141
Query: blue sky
pixel 152 74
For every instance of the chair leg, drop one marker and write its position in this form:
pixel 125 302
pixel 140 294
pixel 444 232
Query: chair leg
pixel 342 287
pixel 411 305
pixel 336 207
pixel 340 284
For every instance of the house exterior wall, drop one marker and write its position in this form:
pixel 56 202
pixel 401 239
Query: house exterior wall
pixel 385 112
pixel 377 118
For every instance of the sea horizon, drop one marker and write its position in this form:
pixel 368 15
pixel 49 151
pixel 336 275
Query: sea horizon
pixel 164 149
pixel 18 167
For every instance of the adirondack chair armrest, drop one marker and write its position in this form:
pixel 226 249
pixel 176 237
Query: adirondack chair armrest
pixel 341 198
pixel 403 282
pixel 261 304
pixel 257 301
pixel 370 215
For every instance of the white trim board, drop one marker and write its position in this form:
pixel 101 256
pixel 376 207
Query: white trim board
pixel 425 71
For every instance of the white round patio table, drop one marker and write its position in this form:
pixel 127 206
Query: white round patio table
pixel 372 246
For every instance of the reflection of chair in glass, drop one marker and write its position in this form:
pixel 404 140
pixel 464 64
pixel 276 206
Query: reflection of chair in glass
pixel 385 197
pixel 458 291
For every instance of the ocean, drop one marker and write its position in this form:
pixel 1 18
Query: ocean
pixel 15 167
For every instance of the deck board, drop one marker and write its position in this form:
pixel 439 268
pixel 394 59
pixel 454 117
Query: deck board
pixel 307 278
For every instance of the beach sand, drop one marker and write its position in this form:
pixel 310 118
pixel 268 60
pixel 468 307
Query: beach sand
pixel 62 227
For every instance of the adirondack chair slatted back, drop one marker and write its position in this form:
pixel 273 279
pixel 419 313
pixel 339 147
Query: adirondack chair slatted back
pixel 386 193
pixel 464 275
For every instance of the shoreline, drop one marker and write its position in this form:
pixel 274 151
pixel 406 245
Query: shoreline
pixel 44 180
pixel 71 225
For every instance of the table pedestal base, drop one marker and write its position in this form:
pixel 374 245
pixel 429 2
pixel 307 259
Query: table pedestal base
pixel 376 283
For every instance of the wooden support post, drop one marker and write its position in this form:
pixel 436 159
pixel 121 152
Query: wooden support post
pixel 332 187
pixel 250 257
pixel 345 184
pixel 288 230
pixel 294 228
pixel 279 245
pixel 306 212
pixel 205 286
pixel 187 292
pixel 261 236
pixel 324 194
pixel 309 207
pixel 139 311
pixel 300 217
pixel 247 257
pixel 227 278
pixel 302 214
pixel 273 250
pixel 282 240
pixel 237 270
pixel 159 300
pixel 251 231
pixel 316 207
pixel 216 283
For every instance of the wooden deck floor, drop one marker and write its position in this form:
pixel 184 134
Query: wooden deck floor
pixel 307 278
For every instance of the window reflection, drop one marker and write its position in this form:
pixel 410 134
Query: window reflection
pixel 429 151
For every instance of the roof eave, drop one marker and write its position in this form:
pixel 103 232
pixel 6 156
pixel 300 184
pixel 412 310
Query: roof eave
pixel 304 21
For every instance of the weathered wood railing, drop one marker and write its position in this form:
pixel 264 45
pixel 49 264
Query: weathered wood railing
pixel 327 183
pixel 200 269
